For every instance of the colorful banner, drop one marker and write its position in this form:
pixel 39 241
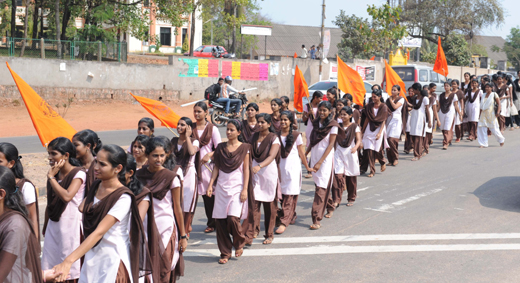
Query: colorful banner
pixel 245 71
pixel 201 68
pixel 367 73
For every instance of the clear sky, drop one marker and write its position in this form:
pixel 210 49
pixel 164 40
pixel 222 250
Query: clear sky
pixel 308 12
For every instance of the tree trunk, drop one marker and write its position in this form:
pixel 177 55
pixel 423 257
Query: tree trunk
pixel 65 19
pixel 41 19
pixel 192 37
pixel 13 18
pixel 35 24
pixel 25 26
pixel 57 19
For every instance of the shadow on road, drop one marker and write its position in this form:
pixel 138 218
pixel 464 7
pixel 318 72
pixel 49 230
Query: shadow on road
pixel 500 193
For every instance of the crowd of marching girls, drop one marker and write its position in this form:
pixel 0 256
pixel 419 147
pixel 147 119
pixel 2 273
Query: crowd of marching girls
pixel 116 215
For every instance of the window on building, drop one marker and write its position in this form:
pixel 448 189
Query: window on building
pixel 166 36
pixel 19 3
pixel 184 35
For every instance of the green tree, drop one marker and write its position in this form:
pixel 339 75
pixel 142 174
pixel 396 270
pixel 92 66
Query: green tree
pixel 355 38
pixel 385 27
pixel 456 50
pixel 511 47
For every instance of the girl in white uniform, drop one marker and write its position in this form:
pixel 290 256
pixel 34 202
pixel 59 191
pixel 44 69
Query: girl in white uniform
pixel 488 117
pixel 394 124
pixel 448 105
pixel 473 109
pixel 419 120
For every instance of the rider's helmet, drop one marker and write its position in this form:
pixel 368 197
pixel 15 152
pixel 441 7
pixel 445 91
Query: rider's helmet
pixel 228 79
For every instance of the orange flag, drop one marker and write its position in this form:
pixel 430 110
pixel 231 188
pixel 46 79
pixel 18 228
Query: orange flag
pixel 441 65
pixel 392 78
pixel 159 110
pixel 300 89
pixel 373 58
pixel 349 81
pixel 295 55
pixel 47 122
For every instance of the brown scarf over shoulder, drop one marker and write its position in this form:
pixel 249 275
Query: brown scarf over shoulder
pixel 154 239
pixel 276 122
pixel 285 150
pixel 55 205
pixel 356 115
pixel 93 214
pixel 90 178
pixel 445 103
pixel 182 156
pixel 247 131
pixel 502 91
pixel 460 96
pixel 159 184
pixel 373 120
pixel 32 254
pixel 204 140
pixel 261 152
pixel 20 185
pixel 345 137
pixel 470 98
pixel 404 111
pixel 319 133
pixel 418 104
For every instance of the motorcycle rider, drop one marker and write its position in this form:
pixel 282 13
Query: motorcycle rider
pixel 225 91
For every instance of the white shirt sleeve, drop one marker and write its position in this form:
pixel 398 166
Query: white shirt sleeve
pixel 177 181
pixel 358 130
pixel 455 98
pixel 121 208
pixel 81 175
pixel 299 140
pixel 196 143
pixel 276 141
pixel 29 193
pixel 334 130
pixel 231 90
pixel 426 101
pixel 216 136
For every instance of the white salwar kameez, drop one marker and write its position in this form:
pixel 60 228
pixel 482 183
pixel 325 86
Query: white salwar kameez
pixel 322 177
pixel 418 119
pixel 265 181
pixel 102 261
pixel 429 130
pixel 346 162
pixel 369 138
pixel 190 182
pixel 447 119
pixel 473 109
pixel 488 120
pixel 394 123
pixel 308 130
pixel 290 170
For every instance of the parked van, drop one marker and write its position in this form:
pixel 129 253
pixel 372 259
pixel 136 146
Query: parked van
pixel 424 75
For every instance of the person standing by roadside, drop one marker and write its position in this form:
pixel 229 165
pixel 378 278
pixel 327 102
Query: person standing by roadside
pixel 313 52
pixel 304 52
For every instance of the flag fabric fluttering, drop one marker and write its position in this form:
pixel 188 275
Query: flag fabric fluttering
pixel 300 89
pixel 159 110
pixel 392 78
pixel 373 58
pixel 47 122
pixel 349 81
pixel 441 65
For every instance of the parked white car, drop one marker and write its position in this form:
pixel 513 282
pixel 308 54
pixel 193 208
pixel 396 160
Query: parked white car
pixel 323 86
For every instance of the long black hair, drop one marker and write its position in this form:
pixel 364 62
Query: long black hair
pixel 286 100
pixel 238 126
pixel 116 156
pixel 64 145
pixel 268 119
pixel 316 94
pixel 142 139
pixel 202 106
pixel 254 106
pixel 134 184
pixel 277 101
pixel 165 143
pixel 149 123
pixel 334 92
pixel 347 109
pixel 290 140
pixel 188 122
pixel 89 137
pixel 327 105
pixel 11 154
pixel 13 195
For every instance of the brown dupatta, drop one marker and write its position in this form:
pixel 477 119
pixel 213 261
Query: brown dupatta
pixel 182 156
pixel 345 137
pixel 375 121
pixel 460 96
pixel 404 111
pixel 160 184
pixel 356 114
pixel 276 122
pixel 90 178
pixel 247 131
pixel 20 185
pixel 261 152
pixel 285 150
pixel 93 214
pixel 153 234
pixel 472 99
pixel 319 133
pixel 445 103
pixel 204 140
pixel 32 253
pixel 55 205
pixel 502 91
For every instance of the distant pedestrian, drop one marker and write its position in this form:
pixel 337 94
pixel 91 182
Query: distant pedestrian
pixel 318 53
pixel 304 52
pixel 313 52
pixel 488 117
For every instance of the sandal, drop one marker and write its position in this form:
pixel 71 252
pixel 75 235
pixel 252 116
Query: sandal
pixel 350 203
pixel 329 214
pixel 280 229
pixel 268 241
pixel 383 168
pixel 223 260
pixel 209 230
pixel 315 226
pixel 238 253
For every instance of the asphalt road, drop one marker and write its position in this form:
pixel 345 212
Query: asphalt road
pixel 450 217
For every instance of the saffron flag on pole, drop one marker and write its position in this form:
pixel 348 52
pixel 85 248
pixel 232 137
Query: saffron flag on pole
pixel 349 81
pixel 300 89
pixel 373 58
pixel 159 110
pixel 441 65
pixel 392 78
pixel 47 122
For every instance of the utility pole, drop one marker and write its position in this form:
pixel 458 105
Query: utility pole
pixel 322 36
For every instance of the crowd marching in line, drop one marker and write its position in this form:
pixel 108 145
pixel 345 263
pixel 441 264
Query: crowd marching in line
pixel 125 216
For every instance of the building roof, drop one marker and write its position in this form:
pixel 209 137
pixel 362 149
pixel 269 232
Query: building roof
pixel 287 39
pixel 488 42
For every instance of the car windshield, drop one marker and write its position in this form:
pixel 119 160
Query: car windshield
pixel 323 85
pixel 406 73
pixel 198 49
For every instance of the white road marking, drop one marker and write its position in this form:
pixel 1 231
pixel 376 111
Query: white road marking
pixel 316 250
pixel 370 238
pixel 364 189
pixel 395 205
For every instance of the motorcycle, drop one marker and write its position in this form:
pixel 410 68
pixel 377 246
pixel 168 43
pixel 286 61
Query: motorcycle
pixel 218 113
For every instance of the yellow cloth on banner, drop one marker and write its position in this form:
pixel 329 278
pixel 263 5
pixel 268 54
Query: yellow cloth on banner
pixel 47 122
pixel 159 110
pixel 203 68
